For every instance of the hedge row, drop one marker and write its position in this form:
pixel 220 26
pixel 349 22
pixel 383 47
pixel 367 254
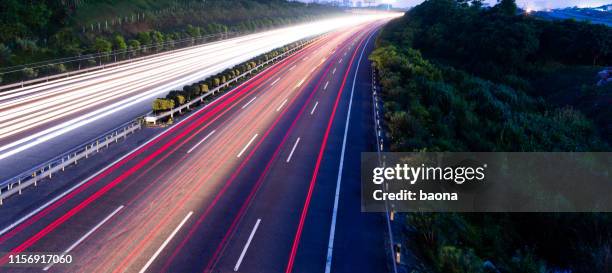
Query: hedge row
pixel 176 98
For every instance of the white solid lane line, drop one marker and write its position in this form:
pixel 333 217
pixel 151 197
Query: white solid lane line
pixel 274 82
pixel 247 104
pixel 198 144
pixel 247 145
pixel 325 87
pixel 281 106
pixel 293 149
pixel 80 240
pixel 246 246
pixel 314 108
pixel 159 250
pixel 332 228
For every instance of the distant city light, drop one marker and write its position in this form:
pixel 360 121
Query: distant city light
pixel 534 5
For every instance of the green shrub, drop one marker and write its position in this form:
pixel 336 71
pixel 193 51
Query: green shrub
pixel 161 104
pixel 30 73
pixel 452 259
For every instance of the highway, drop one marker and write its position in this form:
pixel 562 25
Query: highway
pixel 41 121
pixel 263 179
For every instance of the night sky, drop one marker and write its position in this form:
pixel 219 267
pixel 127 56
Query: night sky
pixel 525 4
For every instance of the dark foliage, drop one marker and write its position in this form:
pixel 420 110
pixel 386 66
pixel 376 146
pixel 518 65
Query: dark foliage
pixel 459 77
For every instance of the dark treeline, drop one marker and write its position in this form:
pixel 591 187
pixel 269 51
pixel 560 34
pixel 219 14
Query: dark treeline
pixel 40 30
pixel 441 108
pixel 555 60
pixel 458 76
pixel 495 43
pixel 469 76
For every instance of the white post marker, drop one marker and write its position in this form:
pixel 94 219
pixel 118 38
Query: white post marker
pixel 80 240
pixel 247 145
pixel 159 250
pixel 246 246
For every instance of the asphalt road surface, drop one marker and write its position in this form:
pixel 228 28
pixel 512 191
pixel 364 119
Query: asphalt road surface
pixel 257 181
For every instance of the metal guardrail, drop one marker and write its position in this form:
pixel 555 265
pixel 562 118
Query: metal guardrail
pixel 46 170
pixel 153 119
pixel 393 249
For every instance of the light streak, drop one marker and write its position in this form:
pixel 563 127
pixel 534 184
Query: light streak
pixel 45 111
